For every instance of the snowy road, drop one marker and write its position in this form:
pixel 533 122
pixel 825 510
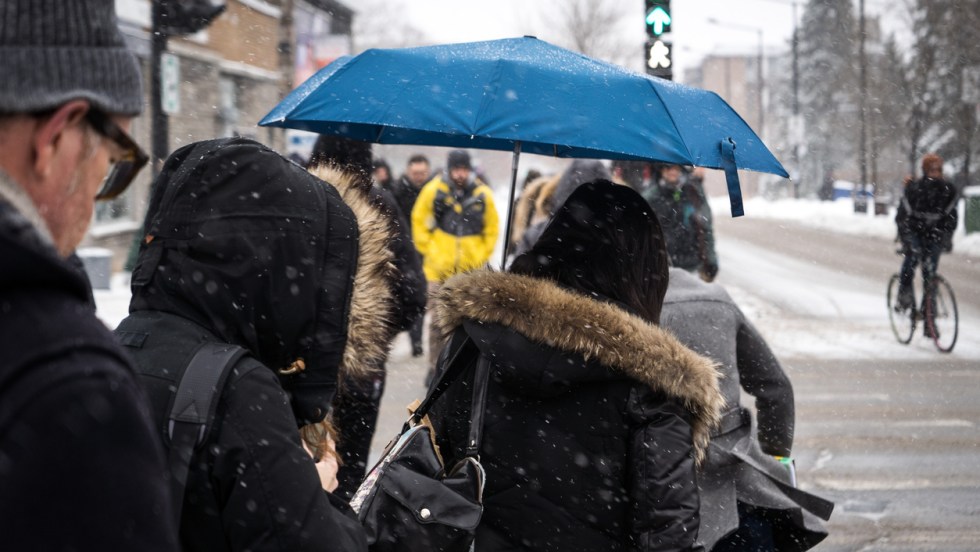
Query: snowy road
pixel 889 432
pixel 816 294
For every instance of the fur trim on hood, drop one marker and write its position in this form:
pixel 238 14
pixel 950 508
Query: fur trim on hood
pixel 369 330
pixel 546 313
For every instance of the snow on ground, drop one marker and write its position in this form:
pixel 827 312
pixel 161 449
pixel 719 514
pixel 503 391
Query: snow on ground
pixel 839 216
pixel 808 311
pixel 812 312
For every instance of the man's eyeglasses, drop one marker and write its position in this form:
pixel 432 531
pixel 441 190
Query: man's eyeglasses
pixel 126 164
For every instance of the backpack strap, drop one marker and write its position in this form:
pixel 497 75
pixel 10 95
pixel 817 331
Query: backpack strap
pixel 193 409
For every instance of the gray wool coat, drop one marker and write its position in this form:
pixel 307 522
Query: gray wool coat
pixel 739 466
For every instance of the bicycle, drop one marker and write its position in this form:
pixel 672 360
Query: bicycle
pixel 938 313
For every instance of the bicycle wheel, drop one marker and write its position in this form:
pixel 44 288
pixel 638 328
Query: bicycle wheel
pixel 942 317
pixel 903 320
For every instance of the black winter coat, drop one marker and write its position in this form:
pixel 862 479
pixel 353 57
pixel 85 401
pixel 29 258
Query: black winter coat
pixel 251 486
pixel 410 286
pixel 928 210
pixel 80 465
pixel 246 248
pixel 594 419
pixel 685 217
pixel 405 194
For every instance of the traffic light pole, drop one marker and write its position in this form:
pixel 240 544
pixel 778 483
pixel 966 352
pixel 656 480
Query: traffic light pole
pixel 159 123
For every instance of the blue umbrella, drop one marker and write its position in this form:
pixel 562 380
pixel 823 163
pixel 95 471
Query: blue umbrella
pixel 524 94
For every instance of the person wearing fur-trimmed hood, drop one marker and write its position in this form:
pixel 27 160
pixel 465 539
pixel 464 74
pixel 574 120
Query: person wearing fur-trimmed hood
pixel 242 246
pixel 347 163
pixel 595 417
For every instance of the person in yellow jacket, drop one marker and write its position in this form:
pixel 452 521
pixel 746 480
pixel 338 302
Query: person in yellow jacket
pixel 454 226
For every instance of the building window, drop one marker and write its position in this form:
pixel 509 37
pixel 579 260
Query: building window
pixel 228 112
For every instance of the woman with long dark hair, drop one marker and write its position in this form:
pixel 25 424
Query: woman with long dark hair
pixel 595 417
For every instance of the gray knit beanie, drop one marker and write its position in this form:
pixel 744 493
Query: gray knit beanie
pixel 54 51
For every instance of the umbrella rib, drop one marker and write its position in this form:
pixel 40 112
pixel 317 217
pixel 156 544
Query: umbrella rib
pixel 485 103
pixel 671 117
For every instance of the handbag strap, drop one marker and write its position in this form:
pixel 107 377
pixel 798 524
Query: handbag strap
pixel 454 369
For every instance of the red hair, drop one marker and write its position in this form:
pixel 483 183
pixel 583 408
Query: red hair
pixel 931 160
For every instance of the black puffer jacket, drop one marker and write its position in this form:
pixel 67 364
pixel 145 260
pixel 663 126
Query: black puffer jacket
pixel 405 194
pixel 244 247
pixel 80 465
pixel 928 210
pixel 594 419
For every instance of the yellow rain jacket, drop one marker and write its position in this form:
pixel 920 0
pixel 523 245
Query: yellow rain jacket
pixel 454 229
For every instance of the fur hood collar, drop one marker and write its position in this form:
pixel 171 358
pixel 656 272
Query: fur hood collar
pixel 371 305
pixel 544 312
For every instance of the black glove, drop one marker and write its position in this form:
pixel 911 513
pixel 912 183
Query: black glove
pixel 948 244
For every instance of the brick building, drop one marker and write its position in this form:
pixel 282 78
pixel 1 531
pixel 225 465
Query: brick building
pixel 230 75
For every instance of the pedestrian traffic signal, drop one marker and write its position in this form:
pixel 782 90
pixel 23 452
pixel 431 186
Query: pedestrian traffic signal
pixel 658 18
pixel 659 59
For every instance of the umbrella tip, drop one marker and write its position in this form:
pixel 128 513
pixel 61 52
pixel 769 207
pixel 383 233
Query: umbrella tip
pixel 531 36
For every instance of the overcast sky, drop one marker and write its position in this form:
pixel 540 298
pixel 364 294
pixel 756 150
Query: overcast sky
pixel 693 35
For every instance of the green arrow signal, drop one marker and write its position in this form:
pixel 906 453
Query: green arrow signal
pixel 658 18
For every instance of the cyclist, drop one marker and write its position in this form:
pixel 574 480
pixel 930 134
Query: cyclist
pixel 926 220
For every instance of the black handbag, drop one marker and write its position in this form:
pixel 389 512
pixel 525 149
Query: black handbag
pixel 410 500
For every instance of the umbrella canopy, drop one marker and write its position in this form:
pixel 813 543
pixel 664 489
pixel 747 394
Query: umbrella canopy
pixel 523 94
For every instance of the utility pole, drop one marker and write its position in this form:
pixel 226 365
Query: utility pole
pixel 861 203
pixel 286 41
pixel 797 132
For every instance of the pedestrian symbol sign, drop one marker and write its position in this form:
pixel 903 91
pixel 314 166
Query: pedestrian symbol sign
pixel 659 57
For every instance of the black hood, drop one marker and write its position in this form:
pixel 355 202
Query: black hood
pixel 259 252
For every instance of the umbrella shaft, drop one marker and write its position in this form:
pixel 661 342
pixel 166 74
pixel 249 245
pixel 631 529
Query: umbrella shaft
pixel 510 203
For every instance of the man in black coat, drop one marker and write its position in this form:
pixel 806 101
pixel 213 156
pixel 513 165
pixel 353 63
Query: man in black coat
pixel 80 466
pixel 405 191
pixel 926 221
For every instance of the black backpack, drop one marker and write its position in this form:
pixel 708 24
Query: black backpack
pixel 192 410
